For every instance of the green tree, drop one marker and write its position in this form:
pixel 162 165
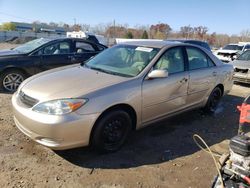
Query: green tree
pixel 144 35
pixel 8 26
pixel 129 35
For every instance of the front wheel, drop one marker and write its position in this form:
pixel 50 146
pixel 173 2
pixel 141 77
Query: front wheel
pixel 111 131
pixel 213 100
pixel 10 80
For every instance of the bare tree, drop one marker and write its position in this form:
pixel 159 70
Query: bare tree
pixel 201 31
pixel 245 35
pixel 187 31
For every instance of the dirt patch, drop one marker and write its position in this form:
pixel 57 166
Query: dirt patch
pixel 162 155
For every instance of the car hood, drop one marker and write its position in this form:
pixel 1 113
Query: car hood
pixel 8 53
pixel 241 64
pixel 71 82
pixel 227 51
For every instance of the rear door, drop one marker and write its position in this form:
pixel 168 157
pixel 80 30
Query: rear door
pixel 55 55
pixel 202 75
pixel 163 96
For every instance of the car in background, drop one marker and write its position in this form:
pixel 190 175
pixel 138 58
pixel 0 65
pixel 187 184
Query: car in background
pixel 231 51
pixel 42 54
pixel 242 68
pixel 124 88
pixel 203 44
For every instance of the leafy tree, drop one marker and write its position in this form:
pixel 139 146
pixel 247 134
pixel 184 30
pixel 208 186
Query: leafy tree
pixel 129 35
pixel 8 26
pixel 144 35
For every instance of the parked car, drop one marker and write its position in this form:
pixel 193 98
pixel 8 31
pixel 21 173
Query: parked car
pixel 203 44
pixel 242 67
pixel 231 51
pixel 40 55
pixel 124 88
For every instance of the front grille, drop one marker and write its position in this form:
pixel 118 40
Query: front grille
pixel 27 100
pixel 241 70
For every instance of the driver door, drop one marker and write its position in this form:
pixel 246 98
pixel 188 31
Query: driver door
pixel 162 96
pixel 55 55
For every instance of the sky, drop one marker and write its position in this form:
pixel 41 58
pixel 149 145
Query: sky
pixel 220 16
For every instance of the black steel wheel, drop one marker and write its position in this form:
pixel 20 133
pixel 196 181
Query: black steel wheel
pixel 213 100
pixel 111 131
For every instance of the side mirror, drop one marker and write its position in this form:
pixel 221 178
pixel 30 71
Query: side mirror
pixel 158 74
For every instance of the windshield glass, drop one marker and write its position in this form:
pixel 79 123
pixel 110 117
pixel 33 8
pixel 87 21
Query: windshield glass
pixel 245 56
pixel 31 45
pixel 123 60
pixel 232 47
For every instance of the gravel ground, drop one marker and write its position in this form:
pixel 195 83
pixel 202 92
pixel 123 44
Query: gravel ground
pixel 161 155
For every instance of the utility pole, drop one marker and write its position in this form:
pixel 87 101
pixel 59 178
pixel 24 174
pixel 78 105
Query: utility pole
pixel 114 30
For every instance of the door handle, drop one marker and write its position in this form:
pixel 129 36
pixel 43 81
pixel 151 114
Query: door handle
pixel 214 73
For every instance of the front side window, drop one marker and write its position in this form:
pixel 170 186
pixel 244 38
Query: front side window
pixel 123 60
pixel 197 59
pixel 172 61
pixel 57 48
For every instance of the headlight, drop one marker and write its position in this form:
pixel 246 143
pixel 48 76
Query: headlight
pixel 60 106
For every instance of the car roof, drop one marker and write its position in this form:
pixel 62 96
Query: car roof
pixel 77 39
pixel 151 43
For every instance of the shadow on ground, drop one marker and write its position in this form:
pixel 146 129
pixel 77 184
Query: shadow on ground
pixel 166 140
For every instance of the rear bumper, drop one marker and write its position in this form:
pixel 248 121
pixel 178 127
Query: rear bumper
pixel 56 132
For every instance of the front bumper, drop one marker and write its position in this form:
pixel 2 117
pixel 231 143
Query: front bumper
pixel 56 132
pixel 240 77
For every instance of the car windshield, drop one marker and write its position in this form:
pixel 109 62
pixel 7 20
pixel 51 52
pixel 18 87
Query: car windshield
pixel 123 60
pixel 31 45
pixel 232 47
pixel 245 56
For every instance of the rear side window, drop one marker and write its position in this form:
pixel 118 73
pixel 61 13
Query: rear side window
pixel 82 47
pixel 198 59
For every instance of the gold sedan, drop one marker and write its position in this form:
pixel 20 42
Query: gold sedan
pixel 121 89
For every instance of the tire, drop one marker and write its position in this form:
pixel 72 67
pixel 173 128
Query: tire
pixel 213 100
pixel 11 79
pixel 111 131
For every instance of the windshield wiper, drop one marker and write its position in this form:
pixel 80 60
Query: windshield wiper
pixel 106 71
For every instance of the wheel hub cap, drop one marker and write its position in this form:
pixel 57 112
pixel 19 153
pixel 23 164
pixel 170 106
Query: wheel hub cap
pixel 12 81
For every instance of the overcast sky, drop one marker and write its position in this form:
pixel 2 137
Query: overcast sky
pixel 220 16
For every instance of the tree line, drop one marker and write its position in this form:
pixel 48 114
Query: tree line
pixel 154 31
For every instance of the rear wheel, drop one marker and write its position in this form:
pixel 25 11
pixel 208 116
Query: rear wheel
pixel 10 80
pixel 111 131
pixel 213 100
